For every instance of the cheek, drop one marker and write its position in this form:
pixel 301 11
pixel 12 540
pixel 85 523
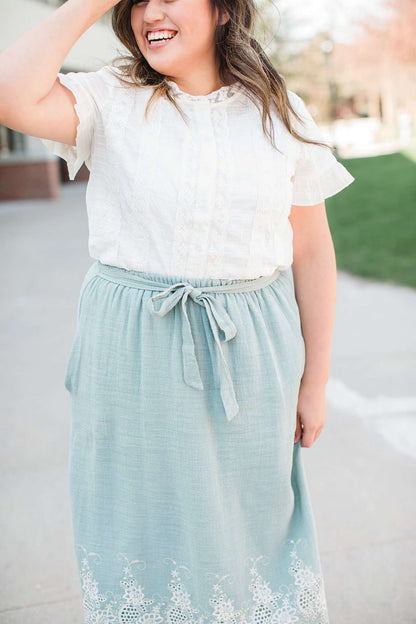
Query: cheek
pixel 197 37
pixel 136 22
pixel 201 31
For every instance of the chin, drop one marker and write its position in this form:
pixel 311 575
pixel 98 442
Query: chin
pixel 162 69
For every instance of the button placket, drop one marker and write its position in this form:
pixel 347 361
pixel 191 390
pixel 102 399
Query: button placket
pixel 205 199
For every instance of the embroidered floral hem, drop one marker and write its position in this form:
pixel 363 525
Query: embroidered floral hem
pixel 301 602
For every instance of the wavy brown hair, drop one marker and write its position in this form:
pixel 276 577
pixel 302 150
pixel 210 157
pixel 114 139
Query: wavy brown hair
pixel 241 58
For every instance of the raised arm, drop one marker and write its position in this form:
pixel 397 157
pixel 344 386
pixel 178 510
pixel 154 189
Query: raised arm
pixel 32 100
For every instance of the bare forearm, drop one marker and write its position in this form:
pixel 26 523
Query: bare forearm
pixel 29 66
pixel 315 287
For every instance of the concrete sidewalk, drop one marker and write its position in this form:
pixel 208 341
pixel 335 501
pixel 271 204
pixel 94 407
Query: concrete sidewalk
pixel 362 482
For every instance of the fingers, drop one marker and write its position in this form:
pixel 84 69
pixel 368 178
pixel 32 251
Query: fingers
pixel 307 437
pixel 298 432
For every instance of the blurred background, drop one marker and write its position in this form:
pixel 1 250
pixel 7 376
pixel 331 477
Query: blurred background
pixel 354 64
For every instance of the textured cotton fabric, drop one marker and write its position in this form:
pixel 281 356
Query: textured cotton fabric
pixel 205 197
pixel 180 514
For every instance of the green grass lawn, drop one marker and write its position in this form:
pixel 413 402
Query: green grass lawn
pixel 373 221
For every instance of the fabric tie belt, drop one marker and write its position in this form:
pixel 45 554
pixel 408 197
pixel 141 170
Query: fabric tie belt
pixel 218 317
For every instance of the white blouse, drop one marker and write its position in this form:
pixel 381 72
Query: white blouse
pixel 209 198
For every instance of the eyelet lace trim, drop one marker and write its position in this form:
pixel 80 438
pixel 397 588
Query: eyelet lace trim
pixel 302 602
pixel 221 94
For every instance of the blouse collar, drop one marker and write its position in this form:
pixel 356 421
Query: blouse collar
pixel 219 95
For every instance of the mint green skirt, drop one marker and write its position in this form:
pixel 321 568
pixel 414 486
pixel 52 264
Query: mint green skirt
pixel 188 495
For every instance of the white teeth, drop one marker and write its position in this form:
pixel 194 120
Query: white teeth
pixel 161 35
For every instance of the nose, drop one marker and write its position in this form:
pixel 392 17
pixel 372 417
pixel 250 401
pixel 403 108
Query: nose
pixel 153 11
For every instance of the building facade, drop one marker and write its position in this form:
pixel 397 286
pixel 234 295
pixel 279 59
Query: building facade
pixel 27 169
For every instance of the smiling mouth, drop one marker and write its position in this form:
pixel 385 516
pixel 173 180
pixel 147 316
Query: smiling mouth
pixel 157 43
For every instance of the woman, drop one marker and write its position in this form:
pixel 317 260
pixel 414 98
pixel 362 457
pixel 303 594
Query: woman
pixel 202 350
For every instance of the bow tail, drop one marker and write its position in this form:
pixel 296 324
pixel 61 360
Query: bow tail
pixel 227 391
pixel 191 372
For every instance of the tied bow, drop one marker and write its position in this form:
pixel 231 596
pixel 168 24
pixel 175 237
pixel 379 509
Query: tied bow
pixel 218 319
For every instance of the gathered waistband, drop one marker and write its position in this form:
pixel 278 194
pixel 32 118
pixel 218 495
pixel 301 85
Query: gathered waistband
pixel 198 290
pixel 154 281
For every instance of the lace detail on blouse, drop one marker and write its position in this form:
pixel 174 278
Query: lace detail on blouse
pixel 214 258
pixel 221 94
pixel 302 602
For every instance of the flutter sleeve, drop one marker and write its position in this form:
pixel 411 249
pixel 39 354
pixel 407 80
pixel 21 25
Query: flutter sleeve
pixel 318 174
pixel 91 91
